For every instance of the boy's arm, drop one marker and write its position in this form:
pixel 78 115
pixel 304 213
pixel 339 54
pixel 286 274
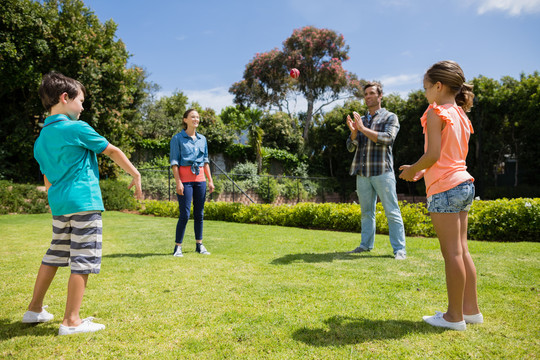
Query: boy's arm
pixel 47 182
pixel 121 160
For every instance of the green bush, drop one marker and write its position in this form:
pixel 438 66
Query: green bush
pixel 293 189
pixel 505 220
pixel 221 210
pixel 22 199
pixel 160 208
pixel 499 220
pixel 289 161
pixel 155 178
pixel 268 189
pixel 416 220
pixel 155 184
pixel 116 195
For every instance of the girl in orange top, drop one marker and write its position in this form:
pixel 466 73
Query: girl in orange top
pixel 449 187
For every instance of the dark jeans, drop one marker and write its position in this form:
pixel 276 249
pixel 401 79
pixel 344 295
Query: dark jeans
pixel 197 192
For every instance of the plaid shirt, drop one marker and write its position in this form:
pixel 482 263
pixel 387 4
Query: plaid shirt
pixel 372 159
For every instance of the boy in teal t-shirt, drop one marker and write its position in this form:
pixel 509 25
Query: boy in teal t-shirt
pixel 66 152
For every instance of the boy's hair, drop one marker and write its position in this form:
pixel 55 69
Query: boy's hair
pixel 377 85
pixel 449 73
pixel 55 84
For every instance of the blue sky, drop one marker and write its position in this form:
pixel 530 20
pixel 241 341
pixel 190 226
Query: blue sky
pixel 201 47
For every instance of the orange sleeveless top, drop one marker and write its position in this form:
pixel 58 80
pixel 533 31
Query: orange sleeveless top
pixel 450 170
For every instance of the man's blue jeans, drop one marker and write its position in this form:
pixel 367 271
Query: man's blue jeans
pixel 197 192
pixel 384 186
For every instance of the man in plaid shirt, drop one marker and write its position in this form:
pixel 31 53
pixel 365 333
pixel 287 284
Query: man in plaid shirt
pixel 372 137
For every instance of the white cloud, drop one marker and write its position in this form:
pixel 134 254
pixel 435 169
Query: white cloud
pixel 513 7
pixel 395 81
pixel 217 98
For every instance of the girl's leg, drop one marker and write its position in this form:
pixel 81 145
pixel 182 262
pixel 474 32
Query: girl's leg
pixel 448 229
pixel 184 205
pixel 470 298
pixel 76 287
pixel 199 197
pixel 44 279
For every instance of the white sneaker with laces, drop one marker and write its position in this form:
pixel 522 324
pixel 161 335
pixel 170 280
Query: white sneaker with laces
pixel 474 319
pixel 31 317
pixel 439 321
pixel 203 251
pixel 400 255
pixel 86 326
pixel 178 251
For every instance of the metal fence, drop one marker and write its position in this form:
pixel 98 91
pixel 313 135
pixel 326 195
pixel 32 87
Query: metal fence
pixel 159 184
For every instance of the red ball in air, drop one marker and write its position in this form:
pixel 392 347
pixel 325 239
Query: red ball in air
pixel 295 73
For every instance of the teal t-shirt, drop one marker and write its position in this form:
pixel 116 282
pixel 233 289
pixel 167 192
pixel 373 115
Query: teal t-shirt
pixel 66 152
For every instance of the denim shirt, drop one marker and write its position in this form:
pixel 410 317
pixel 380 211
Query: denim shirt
pixel 185 151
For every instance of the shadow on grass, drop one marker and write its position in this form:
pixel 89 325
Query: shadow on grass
pixel 342 330
pixel 9 329
pixel 135 255
pixel 320 258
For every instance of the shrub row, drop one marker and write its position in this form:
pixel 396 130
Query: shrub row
pixel 498 220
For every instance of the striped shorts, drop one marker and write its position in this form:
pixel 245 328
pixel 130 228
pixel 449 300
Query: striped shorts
pixel 76 241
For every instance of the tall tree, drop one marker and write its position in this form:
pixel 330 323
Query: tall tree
pixel 161 118
pixel 218 135
pixel 526 107
pixel 65 36
pixel 319 55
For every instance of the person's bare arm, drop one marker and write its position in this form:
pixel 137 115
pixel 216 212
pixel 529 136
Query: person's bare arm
pixel 47 182
pixel 121 160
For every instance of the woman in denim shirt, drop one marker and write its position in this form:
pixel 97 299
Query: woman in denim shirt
pixel 189 162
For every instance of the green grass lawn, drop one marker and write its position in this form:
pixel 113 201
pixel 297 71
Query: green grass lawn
pixel 266 292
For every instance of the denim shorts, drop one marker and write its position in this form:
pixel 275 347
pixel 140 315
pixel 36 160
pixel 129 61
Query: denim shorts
pixel 455 200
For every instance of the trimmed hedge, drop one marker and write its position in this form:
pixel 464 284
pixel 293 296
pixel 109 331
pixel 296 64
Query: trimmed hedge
pixel 506 220
pixel 498 220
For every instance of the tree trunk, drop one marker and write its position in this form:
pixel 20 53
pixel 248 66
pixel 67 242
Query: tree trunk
pixel 307 122
pixel 259 159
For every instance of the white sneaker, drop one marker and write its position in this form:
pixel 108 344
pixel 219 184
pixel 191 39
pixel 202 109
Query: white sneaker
pixel 86 326
pixel 202 250
pixel 178 251
pixel 31 317
pixel 400 255
pixel 474 319
pixel 439 321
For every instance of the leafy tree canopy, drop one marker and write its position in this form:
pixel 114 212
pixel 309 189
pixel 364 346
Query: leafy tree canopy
pixel 318 54
pixel 64 36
